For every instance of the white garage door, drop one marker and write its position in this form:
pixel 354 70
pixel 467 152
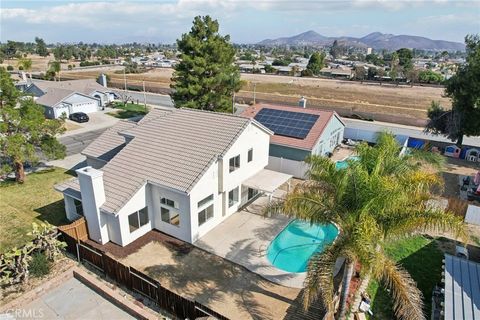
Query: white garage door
pixel 61 109
pixel 86 107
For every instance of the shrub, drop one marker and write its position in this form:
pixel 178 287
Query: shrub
pixel 307 73
pixel 10 68
pixel 20 68
pixel 40 265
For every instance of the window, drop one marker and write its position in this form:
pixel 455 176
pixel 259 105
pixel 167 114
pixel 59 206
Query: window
pixel 205 201
pixel 205 215
pixel 138 219
pixel 232 197
pixel 169 216
pixel 78 206
pixel 250 155
pixel 169 203
pixel 234 163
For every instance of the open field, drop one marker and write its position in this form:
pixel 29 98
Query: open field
pixel 385 102
pixel 33 201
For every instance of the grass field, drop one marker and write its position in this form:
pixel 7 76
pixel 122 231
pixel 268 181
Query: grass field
pixel 128 111
pixel 33 201
pixel 422 258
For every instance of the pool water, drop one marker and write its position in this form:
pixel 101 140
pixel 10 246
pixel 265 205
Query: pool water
pixel 344 163
pixel 297 242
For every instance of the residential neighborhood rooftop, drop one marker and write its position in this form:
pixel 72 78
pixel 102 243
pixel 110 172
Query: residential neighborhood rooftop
pixel 85 86
pixel 312 137
pixel 54 96
pixel 170 148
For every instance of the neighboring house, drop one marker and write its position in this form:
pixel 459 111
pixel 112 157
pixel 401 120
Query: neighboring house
pixel 181 172
pixel 84 87
pixel 58 102
pixel 299 132
pixel 462 289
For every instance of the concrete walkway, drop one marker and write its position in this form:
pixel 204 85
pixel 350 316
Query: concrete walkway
pixel 71 300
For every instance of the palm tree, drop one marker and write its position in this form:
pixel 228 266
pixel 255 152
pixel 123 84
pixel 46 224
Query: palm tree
pixel 379 198
pixel 56 67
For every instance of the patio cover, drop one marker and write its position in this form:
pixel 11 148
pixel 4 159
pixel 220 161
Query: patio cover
pixel 462 289
pixel 267 180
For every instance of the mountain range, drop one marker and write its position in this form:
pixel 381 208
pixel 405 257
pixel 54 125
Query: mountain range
pixel 375 40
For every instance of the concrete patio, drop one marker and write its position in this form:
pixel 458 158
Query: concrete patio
pixel 244 237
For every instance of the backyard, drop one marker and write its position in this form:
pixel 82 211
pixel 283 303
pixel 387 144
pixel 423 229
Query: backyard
pixel 422 257
pixel 33 201
pixel 128 110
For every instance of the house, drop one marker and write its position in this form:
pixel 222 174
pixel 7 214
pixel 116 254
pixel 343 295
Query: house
pixel 53 95
pixel 180 171
pixel 462 289
pixel 298 133
pixel 339 73
pixel 58 102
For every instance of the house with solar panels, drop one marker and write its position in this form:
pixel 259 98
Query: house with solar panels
pixel 298 133
pixel 179 171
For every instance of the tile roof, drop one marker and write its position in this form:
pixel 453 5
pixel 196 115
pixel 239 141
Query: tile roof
pixel 54 96
pixel 109 143
pixel 169 148
pixel 85 86
pixel 315 132
pixel 70 187
pixel 462 289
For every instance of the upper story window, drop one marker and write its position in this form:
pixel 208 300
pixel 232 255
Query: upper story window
pixel 170 216
pixel 168 202
pixel 233 197
pixel 234 163
pixel 250 155
pixel 205 200
pixel 138 219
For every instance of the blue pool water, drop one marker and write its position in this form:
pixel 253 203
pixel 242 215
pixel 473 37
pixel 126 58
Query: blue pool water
pixel 344 163
pixel 293 246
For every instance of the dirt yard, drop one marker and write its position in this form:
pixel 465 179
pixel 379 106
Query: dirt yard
pixel 213 281
pixel 454 168
pixel 346 97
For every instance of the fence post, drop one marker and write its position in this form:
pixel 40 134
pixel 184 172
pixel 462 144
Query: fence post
pixel 78 252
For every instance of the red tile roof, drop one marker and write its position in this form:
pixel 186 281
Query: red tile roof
pixel 310 140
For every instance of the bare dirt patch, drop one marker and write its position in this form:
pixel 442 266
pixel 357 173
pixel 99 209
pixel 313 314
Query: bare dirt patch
pixel 224 286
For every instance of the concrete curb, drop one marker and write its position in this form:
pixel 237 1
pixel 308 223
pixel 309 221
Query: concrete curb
pixel 112 295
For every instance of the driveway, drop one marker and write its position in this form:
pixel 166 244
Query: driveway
pixel 98 120
pixel 72 300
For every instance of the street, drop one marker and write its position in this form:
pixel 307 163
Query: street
pixel 152 98
pixel 76 143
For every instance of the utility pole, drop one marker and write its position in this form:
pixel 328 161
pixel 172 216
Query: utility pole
pixel 125 82
pixel 254 92
pixel 144 96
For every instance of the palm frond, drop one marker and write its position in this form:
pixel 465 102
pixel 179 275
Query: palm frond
pixel 319 280
pixel 407 298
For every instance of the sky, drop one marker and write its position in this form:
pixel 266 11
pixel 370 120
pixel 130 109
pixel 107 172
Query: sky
pixel 246 21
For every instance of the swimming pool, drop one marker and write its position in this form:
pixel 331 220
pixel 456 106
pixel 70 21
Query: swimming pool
pixel 297 242
pixel 343 164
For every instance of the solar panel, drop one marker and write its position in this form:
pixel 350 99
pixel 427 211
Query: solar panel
pixel 287 123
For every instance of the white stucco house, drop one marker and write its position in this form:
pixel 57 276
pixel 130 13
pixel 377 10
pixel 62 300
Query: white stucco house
pixel 66 97
pixel 181 172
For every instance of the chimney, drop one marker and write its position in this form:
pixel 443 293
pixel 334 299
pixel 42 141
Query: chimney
pixel 93 196
pixel 302 103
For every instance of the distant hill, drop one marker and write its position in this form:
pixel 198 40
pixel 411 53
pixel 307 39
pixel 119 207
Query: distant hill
pixel 375 40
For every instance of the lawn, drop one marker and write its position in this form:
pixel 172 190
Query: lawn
pixel 33 201
pixel 422 258
pixel 128 111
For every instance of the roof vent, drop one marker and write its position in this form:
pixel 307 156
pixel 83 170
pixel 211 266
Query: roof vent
pixel 302 103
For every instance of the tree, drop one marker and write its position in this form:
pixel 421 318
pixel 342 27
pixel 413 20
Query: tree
pixel 315 64
pixel 394 67
pixel 429 76
pixel 370 212
pixel 206 76
pixel 405 57
pixel 335 50
pixel 26 64
pixel 56 67
pixel 360 73
pixel 41 47
pixel 464 90
pixel 24 130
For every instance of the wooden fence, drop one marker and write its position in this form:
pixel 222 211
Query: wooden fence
pixel 137 281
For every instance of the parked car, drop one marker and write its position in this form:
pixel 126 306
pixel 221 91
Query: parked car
pixel 79 117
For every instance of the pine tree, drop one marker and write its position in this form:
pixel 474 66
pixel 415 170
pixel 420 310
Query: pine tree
pixel 315 64
pixel 206 77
